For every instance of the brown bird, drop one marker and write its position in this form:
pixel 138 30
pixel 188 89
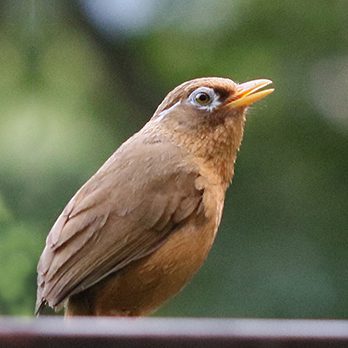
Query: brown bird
pixel 142 226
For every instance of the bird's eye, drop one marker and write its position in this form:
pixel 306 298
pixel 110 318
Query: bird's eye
pixel 203 98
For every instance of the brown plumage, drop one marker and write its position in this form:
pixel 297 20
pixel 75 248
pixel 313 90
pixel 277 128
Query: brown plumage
pixel 139 229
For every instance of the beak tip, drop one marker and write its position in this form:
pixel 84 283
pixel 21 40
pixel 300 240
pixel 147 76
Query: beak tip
pixel 249 92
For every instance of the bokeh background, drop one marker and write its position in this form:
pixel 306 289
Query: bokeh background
pixel 78 77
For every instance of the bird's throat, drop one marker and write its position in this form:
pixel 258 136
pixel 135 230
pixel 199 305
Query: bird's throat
pixel 224 142
pixel 214 149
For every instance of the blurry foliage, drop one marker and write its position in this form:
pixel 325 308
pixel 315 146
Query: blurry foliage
pixel 72 89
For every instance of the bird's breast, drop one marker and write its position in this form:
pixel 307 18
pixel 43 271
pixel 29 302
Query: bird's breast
pixel 144 285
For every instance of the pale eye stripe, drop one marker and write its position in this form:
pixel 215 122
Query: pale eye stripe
pixel 165 112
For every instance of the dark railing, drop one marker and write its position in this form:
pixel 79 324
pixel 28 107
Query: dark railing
pixel 165 332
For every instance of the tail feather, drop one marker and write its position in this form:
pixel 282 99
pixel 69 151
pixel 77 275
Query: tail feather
pixel 40 306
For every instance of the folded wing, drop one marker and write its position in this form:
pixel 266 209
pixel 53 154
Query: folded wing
pixel 123 213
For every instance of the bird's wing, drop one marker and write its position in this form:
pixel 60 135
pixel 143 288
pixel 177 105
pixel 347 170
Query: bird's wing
pixel 123 213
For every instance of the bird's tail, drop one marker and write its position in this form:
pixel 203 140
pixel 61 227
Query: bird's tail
pixel 39 308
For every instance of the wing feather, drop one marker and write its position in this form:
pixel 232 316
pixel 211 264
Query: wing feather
pixel 115 218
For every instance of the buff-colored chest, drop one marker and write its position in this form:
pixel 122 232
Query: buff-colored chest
pixel 144 285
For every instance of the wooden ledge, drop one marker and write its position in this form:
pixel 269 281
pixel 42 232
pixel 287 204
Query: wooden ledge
pixel 170 332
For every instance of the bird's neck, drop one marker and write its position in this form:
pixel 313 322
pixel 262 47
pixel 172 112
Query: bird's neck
pixel 220 153
pixel 214 149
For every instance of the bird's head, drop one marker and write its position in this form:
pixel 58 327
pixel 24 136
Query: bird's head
pixel 207 115
pixel 210 100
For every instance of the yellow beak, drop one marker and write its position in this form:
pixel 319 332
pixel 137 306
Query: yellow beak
pixel 247 93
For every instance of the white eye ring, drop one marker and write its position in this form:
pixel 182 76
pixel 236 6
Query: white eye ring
pixel 204 98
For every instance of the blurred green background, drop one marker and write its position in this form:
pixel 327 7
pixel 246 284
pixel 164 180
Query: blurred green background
pixel 78 77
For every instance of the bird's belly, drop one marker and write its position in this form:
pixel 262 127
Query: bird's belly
pixel 144 285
